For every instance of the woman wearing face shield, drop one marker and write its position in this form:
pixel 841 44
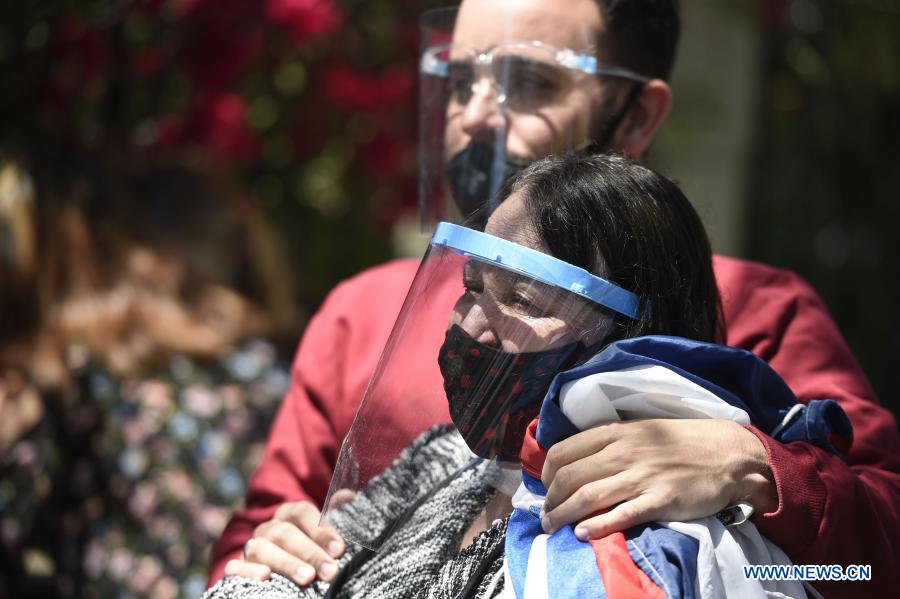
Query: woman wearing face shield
pixel 597 306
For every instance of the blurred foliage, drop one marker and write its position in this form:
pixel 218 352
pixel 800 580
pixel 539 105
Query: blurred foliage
pixel 310 105
pixel 306 103
pixel 825 178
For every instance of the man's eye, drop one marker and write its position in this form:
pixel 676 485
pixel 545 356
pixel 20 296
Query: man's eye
pixel 460 83
pixel 531 84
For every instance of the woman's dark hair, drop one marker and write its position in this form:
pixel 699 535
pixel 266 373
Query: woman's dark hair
pixel 632 226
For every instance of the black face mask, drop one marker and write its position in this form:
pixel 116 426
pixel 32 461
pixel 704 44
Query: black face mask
pixel 475 175
pixel 493 394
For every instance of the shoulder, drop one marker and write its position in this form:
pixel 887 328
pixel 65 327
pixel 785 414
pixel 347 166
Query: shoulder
pixel 389 280
pixel 747 285
pixel 777 315
pixel 431 457
pixel 440 444
pixel 735 273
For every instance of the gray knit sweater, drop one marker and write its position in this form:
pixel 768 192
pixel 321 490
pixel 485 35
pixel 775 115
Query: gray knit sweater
pixel 419 558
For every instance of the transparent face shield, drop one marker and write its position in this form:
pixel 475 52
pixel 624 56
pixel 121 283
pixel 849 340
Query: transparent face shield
pixel 500 320
pixel 494 99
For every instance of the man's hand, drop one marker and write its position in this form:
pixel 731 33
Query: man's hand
pixel 293 544
pixel 649 470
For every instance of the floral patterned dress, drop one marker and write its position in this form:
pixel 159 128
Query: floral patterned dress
pixel 120 490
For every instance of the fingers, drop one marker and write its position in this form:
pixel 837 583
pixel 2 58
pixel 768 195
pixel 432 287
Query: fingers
pixel 262 551
pixel 292 544
pixel 639 510
pixel 573 477
pixel 305 516
pixel 578 447
pixel 239 567
pixel 587 499
pixel 286 549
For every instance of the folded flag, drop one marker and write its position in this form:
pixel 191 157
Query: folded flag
pixel 658 377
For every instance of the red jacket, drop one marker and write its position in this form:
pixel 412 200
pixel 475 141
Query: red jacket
pixel 830 511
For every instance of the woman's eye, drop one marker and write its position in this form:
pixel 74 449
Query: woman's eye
pixel 524 304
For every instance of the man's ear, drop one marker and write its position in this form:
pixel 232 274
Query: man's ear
pixel 647 113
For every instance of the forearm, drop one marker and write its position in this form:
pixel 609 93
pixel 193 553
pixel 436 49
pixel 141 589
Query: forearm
pixel 829 512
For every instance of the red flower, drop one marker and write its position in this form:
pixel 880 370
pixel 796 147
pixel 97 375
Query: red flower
pixel 215 121
pixel 305 19
pixel 228 127
pixel 356 90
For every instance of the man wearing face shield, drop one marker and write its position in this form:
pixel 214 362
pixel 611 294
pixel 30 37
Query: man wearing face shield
pixel 770 312
pixel 486 115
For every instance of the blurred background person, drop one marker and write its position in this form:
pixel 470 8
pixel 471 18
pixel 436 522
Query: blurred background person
pixel 136 385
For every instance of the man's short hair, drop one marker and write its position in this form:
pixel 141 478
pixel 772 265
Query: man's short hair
pixel 640 35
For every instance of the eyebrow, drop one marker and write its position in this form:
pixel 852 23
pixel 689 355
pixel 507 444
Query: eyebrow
pixel 529 62
pixel 517 61
pixel 478 268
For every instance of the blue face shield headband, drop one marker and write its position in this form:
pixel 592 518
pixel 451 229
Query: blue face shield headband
pixel 539 266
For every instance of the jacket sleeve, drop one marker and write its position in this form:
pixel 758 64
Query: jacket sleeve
pixel 830 510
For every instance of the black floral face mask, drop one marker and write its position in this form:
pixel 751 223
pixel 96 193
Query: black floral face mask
pixel 493 394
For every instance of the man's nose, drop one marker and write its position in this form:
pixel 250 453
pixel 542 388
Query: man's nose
pixel 478 326
pixel 482 117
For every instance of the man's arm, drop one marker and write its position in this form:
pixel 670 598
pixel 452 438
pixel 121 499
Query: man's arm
pixel 829 510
